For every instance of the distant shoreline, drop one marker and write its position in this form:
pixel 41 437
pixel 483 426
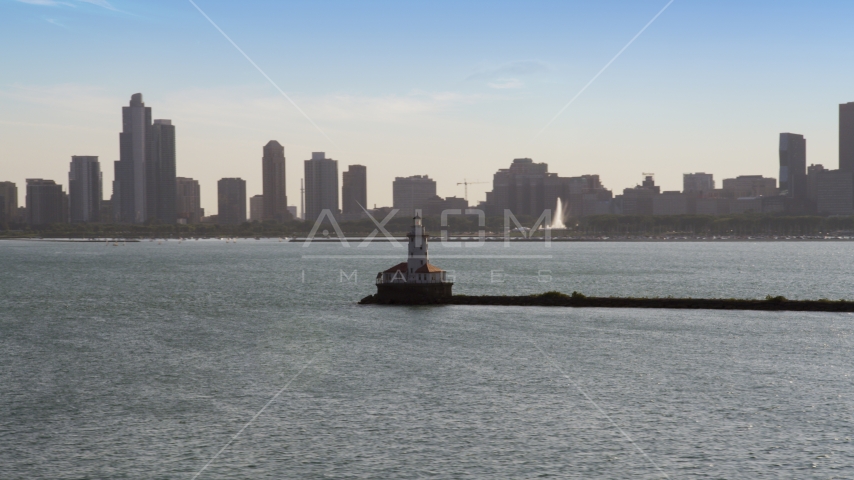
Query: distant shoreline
pixel 461 239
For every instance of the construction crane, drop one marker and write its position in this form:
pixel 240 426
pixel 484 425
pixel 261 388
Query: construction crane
pixel 467 183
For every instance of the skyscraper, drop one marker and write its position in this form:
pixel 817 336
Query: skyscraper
pixel 274 192
pixel 834 192
pixel 846 137
pixel 116 197
pixel 411 193
pixel 160 168
pixel 188 200
pixel 45 202
pixel 84 189
pixel 527 188
pixel 9 192
pixel 256 208
pixel 793 166
pixel 521 188
pixel 813 172
pixel 231 196
pixel 129 189
pixel 321 185
pixel 354 189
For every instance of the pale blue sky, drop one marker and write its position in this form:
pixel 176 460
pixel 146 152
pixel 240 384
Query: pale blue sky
pixel 450 89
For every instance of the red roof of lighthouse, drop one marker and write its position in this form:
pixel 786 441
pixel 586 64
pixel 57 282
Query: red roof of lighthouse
pixel 400 267
pixel 428 268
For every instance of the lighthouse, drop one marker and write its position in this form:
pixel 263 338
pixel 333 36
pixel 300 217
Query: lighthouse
pixel 416 280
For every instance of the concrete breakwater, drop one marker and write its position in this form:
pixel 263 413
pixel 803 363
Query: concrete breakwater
pixel 557 299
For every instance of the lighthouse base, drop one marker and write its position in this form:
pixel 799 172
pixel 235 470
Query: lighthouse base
pixel 410 293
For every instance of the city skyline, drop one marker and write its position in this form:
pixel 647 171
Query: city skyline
pixel 654 109
pixel 146 187
pixel 525 188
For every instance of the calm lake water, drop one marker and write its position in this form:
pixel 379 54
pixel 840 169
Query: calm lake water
pixel 145 360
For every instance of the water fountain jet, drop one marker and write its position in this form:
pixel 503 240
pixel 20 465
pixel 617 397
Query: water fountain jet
pixel 557 220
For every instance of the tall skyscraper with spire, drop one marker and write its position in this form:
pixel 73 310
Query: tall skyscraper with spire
pixel 275 198
pixel 129 188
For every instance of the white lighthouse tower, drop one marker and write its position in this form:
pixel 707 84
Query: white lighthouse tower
pixel 416 279
pixel 418 256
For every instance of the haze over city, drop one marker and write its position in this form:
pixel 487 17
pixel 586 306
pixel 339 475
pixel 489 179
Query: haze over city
pixel 377 239
pixel 451 91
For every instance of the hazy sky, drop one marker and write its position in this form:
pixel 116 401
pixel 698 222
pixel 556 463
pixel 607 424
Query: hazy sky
pixel 453 90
